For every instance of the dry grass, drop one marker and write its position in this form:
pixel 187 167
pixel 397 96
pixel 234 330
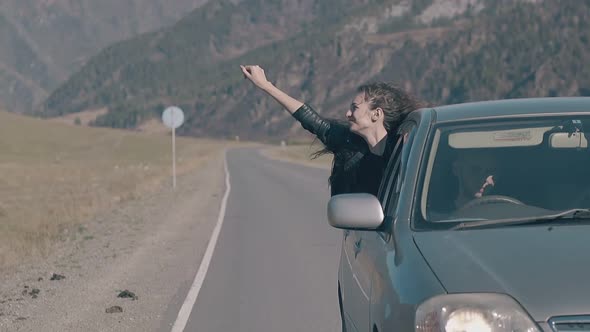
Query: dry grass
pixel 85 117
pixel 301 153
pixel 154 126
pixel 53 177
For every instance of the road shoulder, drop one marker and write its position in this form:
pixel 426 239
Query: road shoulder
pixel 151 247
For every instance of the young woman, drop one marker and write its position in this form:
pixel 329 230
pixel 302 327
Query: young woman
pixel 362 144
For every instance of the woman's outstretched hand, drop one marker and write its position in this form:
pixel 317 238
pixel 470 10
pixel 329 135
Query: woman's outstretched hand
pixel 256 75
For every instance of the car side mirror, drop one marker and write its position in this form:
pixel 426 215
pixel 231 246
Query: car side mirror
pixel 355 211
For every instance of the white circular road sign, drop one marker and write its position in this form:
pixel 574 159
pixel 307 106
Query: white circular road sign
pixel 173 117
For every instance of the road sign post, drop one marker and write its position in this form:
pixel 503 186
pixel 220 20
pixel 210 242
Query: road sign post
pixel 173 117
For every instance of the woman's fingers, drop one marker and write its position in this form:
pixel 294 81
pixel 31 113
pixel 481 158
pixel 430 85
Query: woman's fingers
pixel 245 71
pixel 252 71
pixel 250 67
pixel 253 68
pixel 255 74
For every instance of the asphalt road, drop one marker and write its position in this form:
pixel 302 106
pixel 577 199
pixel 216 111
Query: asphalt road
pixel 275 264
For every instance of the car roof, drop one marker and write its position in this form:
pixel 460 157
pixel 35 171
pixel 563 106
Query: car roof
pixel 512 108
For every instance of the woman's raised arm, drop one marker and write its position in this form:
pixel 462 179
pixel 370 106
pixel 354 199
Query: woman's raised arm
pixel 256 75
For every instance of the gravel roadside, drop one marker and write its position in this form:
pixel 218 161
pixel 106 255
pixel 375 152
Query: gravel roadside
pixel 126 270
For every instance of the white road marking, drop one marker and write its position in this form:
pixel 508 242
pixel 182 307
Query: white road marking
pixel 191 298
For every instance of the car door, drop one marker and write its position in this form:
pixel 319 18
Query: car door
pixel 357 271
pixel 353 289
pixel 379 244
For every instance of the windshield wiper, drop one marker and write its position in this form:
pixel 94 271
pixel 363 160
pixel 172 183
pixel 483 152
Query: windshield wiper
pixel 567 214
pixel 460 220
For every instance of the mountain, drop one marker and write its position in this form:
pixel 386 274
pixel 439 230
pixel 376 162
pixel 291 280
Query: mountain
pixel 444 51
pixel 217 32
pixel 42 42
pixel 510 50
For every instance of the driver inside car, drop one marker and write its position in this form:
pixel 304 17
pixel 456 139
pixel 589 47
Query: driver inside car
pixel 476 175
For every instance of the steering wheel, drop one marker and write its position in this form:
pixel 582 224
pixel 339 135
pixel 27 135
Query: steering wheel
pixel 491 199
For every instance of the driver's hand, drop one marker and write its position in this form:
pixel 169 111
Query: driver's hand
pixel 488 183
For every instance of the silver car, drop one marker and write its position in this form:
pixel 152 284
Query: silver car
pixel 482 223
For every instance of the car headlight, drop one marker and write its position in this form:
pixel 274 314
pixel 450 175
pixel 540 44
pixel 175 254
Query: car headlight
pixel 473 313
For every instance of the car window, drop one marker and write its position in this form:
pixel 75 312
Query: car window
pixel 394 175
pixel 389 172
pixel 399 177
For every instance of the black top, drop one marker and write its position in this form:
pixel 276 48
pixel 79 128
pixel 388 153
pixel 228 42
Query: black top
pixel 370 171
pixel 355 169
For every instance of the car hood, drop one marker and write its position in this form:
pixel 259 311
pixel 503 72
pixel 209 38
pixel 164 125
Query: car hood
pixel 546 269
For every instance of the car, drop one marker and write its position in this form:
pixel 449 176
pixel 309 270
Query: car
pixel 481 223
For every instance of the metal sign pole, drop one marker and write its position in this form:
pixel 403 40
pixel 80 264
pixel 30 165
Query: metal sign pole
pixel 173 117
pixel 173 154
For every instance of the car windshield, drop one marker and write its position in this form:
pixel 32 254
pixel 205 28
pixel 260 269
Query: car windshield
pixel 506 169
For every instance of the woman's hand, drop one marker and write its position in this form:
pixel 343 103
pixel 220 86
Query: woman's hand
pixel 256 75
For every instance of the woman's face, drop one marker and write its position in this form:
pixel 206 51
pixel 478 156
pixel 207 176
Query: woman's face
pixel 360 117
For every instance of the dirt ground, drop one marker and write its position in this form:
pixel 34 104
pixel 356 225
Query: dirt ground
pixel 150 247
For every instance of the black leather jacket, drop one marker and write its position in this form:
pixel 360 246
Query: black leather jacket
pixel 332 135
pixel 355 168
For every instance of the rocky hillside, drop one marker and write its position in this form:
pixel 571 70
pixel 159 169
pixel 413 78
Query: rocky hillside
pixel 42 42
pixel 445 51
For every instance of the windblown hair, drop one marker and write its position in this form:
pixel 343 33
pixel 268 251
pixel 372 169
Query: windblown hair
pixel 395 102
